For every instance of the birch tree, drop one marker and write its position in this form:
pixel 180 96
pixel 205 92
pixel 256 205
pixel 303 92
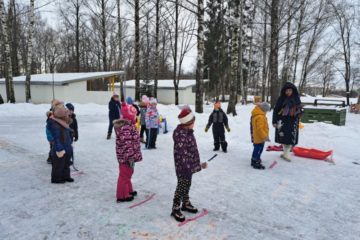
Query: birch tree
pixel 29 52
pixel 10 94
pixel 200 58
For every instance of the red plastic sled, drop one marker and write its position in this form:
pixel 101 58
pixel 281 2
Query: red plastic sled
pixel 311 153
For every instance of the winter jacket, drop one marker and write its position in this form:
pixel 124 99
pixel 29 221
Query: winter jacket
pixel 74 127
pixel 259 126
pixel 114 109
pixel 186 154
pixel 127 142
pixel 62 137
pixel 218 120
pixel 287 131
pixel 152 118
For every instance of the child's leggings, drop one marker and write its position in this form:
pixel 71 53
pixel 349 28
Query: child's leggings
pixel 182 192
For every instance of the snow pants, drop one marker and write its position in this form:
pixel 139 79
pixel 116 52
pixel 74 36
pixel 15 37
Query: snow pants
pixel 182 192
pixel 151 136
pixel 60 167
pixel 124 185
pixel 219 138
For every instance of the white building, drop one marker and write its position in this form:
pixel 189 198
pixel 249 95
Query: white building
pixel 93 87
pixel 166 90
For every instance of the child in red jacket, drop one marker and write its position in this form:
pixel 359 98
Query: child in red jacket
pixel 128 152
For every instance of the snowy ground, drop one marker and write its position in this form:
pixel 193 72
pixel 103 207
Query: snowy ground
pixel 305 199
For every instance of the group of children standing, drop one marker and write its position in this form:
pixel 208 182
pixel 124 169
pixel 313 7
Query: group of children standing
pixel 123 116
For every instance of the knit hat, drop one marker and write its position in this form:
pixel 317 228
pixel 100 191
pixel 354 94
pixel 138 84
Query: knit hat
pixel 217 104
pixel 115 94
pixel 56 102
pixel 128 112
pixel 186 116
pixel 129 100
pixel 70 106
pixel 264 106
pixel 153 101
pixel 145 99
pixel 60 111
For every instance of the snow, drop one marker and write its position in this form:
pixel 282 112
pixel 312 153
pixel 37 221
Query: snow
pixel 304 199
pixel 63 78
pixel 328 100
pixel 183 83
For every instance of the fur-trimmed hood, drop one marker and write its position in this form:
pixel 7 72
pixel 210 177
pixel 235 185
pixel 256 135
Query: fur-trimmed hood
pixel 121 123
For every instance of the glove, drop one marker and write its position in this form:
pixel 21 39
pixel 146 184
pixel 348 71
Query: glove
pixel 228 129
pixel 206 130
pixel 60 154
pixel 204 165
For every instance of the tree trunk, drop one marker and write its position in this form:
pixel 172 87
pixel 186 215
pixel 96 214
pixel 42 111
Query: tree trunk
pixel 14 38
pixel 157 47
pixel 274 52
pixel 285 70
pixel 235 17
pixel 264 55
pixel 176 52
pixel 77 35
pixel 29 52
pixel 103 35
pixel 295 59
pixel 200 59
pixel 137 50
pixel 10 94
pixel 121 61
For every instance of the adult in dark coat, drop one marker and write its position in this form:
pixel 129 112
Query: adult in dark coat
pixel 286 117
pixel 62 149
pixel 74 123
pixel 219 122
pixel 114 112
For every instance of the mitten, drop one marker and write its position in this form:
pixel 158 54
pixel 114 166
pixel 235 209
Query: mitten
pixel 228 129
pixel 60 154
pixel 206 130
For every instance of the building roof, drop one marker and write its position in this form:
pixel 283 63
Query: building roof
pixel 63 78
pixel 163 84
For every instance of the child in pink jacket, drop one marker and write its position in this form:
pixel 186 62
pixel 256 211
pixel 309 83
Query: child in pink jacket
pixel 128 152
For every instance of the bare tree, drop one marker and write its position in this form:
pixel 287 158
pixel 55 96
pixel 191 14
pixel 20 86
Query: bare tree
pixel 29 51
pixel 10 94
pixel 274 51
pixel 235 26
pixel 345 21
pixel 200 58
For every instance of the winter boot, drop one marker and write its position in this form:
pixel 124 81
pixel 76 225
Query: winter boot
pixel 142 140
pixel 108 136
pixel 256 164
pixel 224 146
pixel 134 193
pixel 128 199
pixel 177 214
pixel 58 181
pixel 187 207
pixel 69 180
pixel 49 160
pixel 285 155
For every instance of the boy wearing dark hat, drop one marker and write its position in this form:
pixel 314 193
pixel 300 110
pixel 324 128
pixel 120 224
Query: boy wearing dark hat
pixel 259 129
pixel 187 162
pixel 218 120
pixel 74 124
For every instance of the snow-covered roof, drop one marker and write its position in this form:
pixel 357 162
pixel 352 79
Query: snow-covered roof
pixel 164 84
pixel 63 78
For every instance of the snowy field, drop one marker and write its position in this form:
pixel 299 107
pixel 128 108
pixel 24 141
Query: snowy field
pixel 304 199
